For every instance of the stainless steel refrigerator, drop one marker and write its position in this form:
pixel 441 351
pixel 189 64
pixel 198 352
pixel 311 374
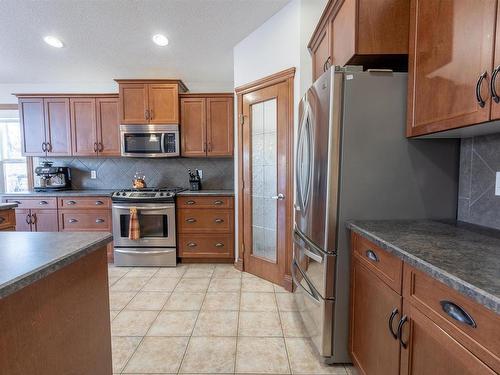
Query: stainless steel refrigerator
pixel 354 162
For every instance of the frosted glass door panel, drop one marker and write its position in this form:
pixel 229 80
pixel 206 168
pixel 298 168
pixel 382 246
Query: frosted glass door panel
pixel 264 179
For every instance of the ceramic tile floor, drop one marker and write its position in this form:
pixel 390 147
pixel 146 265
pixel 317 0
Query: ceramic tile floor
pixel 206 319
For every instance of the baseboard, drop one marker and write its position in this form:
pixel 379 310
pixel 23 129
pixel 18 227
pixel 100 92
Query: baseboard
pixel 288 283
pixel 239 264
pixel 206 260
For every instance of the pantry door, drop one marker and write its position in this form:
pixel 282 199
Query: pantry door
pixel 266 192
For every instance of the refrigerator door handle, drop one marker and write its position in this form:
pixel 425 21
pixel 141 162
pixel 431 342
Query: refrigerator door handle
pixel 308 251
pixel 311 293
pixel 311 247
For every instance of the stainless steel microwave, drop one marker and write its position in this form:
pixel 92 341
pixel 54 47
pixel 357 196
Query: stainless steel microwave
pixel 149 141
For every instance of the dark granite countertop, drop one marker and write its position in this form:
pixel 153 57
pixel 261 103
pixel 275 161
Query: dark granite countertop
pixel 7 206
pixel 463 256
pixel 207 192
pixel 64 193
pixel 26 257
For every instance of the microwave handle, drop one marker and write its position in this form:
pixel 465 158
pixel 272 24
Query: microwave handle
pixel 163 143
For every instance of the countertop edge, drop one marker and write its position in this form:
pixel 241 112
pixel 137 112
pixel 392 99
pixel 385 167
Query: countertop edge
pixel 36 274
pixel 480 296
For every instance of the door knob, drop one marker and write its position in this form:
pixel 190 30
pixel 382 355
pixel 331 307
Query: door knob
pixel 279 197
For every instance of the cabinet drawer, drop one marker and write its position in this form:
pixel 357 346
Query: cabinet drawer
pixel 205 246
pixel 205 202
pixel 84 202
pixel 85 220
pixel 432 297
pixel 7 219
pixel 386 266
pixel 205 221
pixel 29 203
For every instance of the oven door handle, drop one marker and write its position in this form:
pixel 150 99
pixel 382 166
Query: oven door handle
pixel 162 140
pixel 155 208
pixel 144 252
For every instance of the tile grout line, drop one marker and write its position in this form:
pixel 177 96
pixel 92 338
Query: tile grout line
pixel 283 333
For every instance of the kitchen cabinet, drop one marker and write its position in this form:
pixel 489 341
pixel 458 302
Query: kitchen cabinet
pixel 94 126
pixel 36 220
pixel 7 220
pixel 415 333
pixel 371 33
pixel 45 126
pixel 205 226
pixel 450 64
pixel 149 101
pixel 207 125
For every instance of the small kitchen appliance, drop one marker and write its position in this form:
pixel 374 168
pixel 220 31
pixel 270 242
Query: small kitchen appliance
pixel 50 178
pixel 149 141
pixel 156 244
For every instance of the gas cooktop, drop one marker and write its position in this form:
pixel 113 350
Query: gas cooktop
pixel 146 195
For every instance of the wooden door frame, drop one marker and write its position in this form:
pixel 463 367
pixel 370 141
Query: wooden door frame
pixel 286 76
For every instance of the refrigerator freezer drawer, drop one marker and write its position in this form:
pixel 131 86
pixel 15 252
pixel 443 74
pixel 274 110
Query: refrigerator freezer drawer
pixel 316 313
pixel 317 265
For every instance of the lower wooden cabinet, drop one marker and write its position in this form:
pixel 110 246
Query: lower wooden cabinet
pixel 412 334
pixel 206 231
pixel 36 220
pixel 7 220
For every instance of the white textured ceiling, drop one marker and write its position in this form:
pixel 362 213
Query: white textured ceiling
pixel 106 39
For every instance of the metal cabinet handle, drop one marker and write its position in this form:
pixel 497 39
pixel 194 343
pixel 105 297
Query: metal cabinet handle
pixel 479 83
pixel 43 203
pixel 279 197
pixel 205 147
pixel 28 219
pixel 402 322
pixel 72 221
pixel 218 203
pixel 192 244
pixel 146 114
pixel 493 82
pixel 70 203
pixel 370 254
pixel 458 313
pixel 49 147
pixel 99 221
pixel 326 65
pixel 99 203
pixel 391 319
pixel 209 146
pixel 219 244
pixel 191 220
pixel 33 219
pixel 151 114
pixel 218 221
pixel 95 146
pixel 44 147
pixel 100 147
pixel 2 219
pixel 190 202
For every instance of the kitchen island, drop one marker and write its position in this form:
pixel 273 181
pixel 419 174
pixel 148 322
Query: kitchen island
pixel 54 304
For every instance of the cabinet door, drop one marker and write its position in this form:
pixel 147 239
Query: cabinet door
pixel 57 126
pixel 108 128
pixel 44 221
pixel 430 350
pixel 163 103
pixel 321 52
pixel 495 104
pixel 446 60
pixel 373 347
pixel 220 125
pixel 193 127
pixel 134 103
pixel 23 220
pixel 83 126
pixel 32 126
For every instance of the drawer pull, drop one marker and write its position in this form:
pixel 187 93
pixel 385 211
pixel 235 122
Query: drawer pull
pixel 219 244
pixel 28 220
pixel 2 219
pixel 370 254
pixel 70 203
pixel 43 203
pixel 99 221
pixel 72 221
pixel 99 203
pixel 191 220
pixel 218 203
pixel 218 221
pixel 16 202
pixel 402 322
pixel 190 202
pixel 391 319
pixel 457 313
pixel 192 244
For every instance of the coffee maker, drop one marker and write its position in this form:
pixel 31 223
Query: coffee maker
pixel 50 178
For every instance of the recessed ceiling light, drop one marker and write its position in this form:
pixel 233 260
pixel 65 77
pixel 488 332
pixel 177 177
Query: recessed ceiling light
pixel 53 41
pixel 160 39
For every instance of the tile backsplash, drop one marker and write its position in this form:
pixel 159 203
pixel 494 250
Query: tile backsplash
pixel 479 162
pixel 117 173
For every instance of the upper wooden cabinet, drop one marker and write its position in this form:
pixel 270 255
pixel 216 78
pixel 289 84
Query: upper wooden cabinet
pixel 45 126
pixel 372 33
pixel 450 64
pixel 207 122
pixel 108 128
pixel 150 101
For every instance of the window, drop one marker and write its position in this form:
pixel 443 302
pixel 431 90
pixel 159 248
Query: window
pixel 13 168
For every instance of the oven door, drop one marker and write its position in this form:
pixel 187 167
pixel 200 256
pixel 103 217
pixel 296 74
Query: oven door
pixel 149 140
pixel 157 225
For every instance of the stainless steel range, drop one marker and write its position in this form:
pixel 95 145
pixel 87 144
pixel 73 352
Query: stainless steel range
pixel 156 245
